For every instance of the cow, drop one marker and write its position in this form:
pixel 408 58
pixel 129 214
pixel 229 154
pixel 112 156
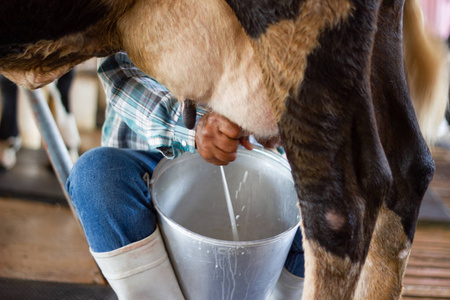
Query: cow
pixel 327 76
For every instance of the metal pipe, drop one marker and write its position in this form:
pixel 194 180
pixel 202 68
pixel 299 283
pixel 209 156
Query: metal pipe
pixel 53 141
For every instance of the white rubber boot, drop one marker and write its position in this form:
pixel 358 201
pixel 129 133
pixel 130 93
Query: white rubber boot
pixel 288 287
pixel 70 135
pixel 8 150
pixel 66 122
pixel 140 271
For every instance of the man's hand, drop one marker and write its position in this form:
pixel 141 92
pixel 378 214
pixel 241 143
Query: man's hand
pixel 217 139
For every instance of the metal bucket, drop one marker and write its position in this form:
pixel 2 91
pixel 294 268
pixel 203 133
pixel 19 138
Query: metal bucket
pixel 189 197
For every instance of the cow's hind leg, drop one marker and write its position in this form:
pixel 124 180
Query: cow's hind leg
pixel 409 159
pixel 330 136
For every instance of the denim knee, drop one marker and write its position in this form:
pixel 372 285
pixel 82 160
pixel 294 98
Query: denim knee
pixel 111 198
pixel 93 172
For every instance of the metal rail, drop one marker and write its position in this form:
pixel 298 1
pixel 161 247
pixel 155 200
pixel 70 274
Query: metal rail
pixel 52 140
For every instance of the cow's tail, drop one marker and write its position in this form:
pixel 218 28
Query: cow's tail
pixel 426 69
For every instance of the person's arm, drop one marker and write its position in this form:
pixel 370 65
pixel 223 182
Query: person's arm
pixel 146 107
pixel 151 111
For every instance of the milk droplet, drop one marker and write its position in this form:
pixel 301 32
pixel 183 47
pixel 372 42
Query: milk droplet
pixel 245 176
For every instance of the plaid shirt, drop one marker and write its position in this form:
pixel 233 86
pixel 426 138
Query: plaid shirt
pixel 141 113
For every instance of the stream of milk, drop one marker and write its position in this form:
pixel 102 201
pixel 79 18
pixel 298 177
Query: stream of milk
pixel 229 205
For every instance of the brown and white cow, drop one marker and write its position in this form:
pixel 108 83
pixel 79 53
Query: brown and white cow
pixel 327 75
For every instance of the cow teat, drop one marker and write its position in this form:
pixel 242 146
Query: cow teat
pixel 189 113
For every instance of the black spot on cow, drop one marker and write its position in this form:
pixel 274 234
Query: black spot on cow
pixel 256 15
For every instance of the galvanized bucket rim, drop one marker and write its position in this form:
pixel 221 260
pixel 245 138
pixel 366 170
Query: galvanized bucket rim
pixel 160 168
pixel 256 149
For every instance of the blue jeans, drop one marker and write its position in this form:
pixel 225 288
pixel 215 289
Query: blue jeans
pixel 114 205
